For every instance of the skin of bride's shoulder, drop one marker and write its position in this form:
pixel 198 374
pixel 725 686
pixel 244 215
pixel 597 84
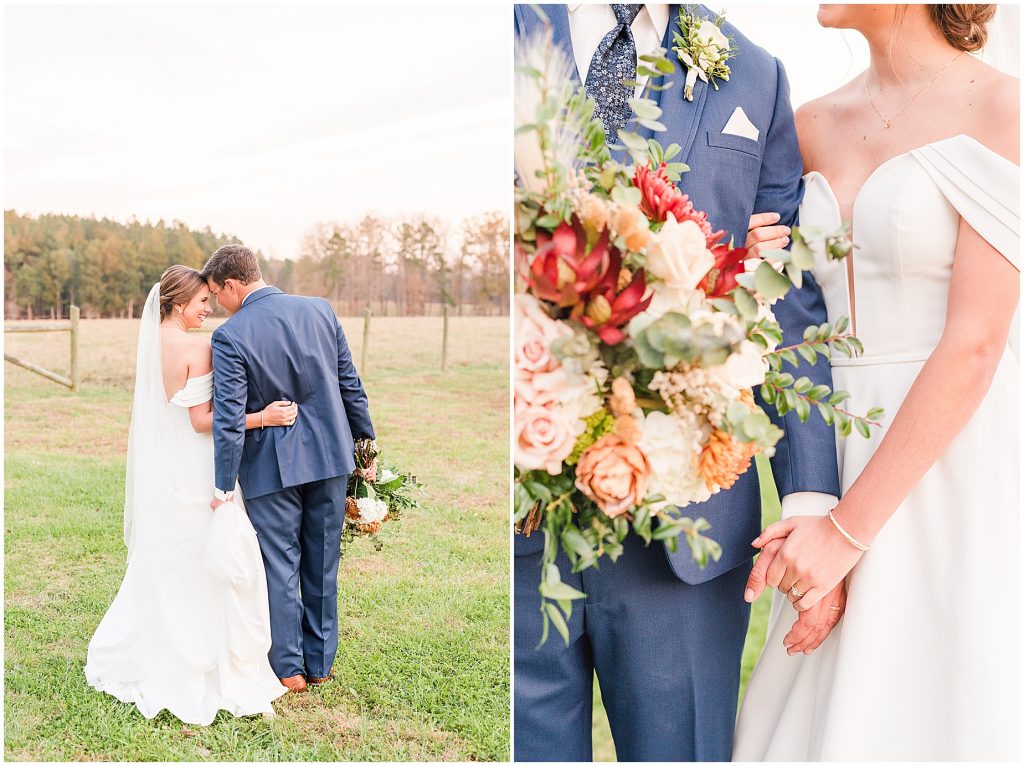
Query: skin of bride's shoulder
pixel 819 123
pixel 185 356
pixel 993 106
pixel 200 355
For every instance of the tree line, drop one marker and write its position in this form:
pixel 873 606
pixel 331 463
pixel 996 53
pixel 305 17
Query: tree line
pixel 395 266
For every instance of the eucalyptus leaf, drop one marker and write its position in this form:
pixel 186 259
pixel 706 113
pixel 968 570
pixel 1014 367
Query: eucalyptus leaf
pixel 770 283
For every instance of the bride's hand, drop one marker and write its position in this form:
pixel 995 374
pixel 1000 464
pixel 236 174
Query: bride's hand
pixel 763 235
pixel 814 558
pixel 814 625
pixel 280 413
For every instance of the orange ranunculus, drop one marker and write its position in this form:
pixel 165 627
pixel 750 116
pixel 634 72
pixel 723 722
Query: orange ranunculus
pixel 614 473
pixel 724 459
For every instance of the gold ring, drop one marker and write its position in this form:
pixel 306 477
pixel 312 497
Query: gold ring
pixel 795 592
pixel 836 608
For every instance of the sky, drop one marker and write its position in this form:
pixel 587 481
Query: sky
pixel 257 120
pixel 819 60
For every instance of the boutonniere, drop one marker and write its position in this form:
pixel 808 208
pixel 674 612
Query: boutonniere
pixel 703 48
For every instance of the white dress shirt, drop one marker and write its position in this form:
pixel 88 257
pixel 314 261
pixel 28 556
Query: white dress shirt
pixel 588 24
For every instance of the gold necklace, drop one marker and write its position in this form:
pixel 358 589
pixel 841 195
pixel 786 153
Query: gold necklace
pixel 887 121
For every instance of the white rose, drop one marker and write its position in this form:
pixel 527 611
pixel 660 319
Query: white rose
pixel 678 255
pixel 709 33
pixel 386 476
pixel 670 446
pixel 371 510
pixel 744 369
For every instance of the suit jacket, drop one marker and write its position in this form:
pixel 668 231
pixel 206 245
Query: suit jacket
pixel 279 346
pixel 730 178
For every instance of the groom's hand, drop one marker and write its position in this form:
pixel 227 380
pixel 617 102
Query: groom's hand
pixel 216 504
pixel 814 625
pixel 763 235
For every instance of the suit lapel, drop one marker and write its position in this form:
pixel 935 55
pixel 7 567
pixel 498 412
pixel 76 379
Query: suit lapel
pixel 679 116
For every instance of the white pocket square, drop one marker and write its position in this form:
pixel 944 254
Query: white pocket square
pixel 740 125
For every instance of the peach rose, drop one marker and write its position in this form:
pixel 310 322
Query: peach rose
pixel 613 472
pixel 538 372
pixel 544 436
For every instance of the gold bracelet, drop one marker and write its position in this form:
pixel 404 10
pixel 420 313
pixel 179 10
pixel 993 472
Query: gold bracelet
pixel 849 538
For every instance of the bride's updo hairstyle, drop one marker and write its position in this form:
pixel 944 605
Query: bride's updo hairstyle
pixel 178 285
pixel 964 25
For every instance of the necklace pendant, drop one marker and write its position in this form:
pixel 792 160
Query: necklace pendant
pixel 886 124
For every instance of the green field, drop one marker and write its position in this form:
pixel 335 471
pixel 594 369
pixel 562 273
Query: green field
pixel 422 672
pixel 604 748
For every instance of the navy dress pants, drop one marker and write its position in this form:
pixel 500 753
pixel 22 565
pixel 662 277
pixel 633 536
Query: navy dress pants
pixel 299 530
pixel 667 656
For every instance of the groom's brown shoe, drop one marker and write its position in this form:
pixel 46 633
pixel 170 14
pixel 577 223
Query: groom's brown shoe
pixel 314 681
pixel 294 683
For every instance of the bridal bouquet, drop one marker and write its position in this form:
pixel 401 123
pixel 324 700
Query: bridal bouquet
pixel 376 495
pixel 639 336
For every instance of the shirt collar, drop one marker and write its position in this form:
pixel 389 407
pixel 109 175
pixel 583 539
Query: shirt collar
pixel 658 13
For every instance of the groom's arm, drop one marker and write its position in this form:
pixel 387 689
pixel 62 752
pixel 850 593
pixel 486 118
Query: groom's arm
pixel 357 407
pixel 230 393
pixel 805 458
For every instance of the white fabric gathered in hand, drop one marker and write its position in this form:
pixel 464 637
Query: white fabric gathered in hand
pixel 740 125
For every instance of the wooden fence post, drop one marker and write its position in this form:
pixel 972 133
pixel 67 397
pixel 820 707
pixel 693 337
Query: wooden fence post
pixel 75 372
pixel 444 339
pixel 366 339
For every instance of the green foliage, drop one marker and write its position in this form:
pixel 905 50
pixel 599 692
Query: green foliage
pixel 106 267
pixel 598 424
pixel 673 339
pixel 422 672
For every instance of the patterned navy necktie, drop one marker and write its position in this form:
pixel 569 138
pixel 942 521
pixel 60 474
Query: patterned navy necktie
pixel 614 61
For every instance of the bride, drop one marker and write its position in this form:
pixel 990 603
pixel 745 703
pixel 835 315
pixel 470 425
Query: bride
pixel 189 629
pixel 920 152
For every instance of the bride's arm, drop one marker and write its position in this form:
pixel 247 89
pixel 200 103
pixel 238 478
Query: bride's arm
pixel 201 416
pixel 278 413
pixel 983 295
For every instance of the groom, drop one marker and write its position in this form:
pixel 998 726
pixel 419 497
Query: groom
pixel 293 478
pixel 665 637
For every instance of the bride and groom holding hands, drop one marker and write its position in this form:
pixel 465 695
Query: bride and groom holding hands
pixel 231 609
pixel 903 643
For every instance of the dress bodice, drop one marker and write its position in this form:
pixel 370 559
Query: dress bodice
pixel 905 224
pixel 196 391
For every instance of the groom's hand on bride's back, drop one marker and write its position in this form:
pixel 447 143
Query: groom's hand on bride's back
pixel 763 235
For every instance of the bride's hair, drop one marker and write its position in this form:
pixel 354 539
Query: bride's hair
pixel 964 25
pixel 179 284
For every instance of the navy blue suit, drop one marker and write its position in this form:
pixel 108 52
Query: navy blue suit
pixel 293 478
pixel 664 636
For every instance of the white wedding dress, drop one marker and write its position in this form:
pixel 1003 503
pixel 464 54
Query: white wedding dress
pixel 189 629
pixel 924 664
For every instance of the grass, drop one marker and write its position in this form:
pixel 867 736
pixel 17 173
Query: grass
pixel 422 672
pixel 604 747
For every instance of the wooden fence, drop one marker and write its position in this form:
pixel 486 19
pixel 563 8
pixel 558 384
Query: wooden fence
pixel 368 314
pixel 72 327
